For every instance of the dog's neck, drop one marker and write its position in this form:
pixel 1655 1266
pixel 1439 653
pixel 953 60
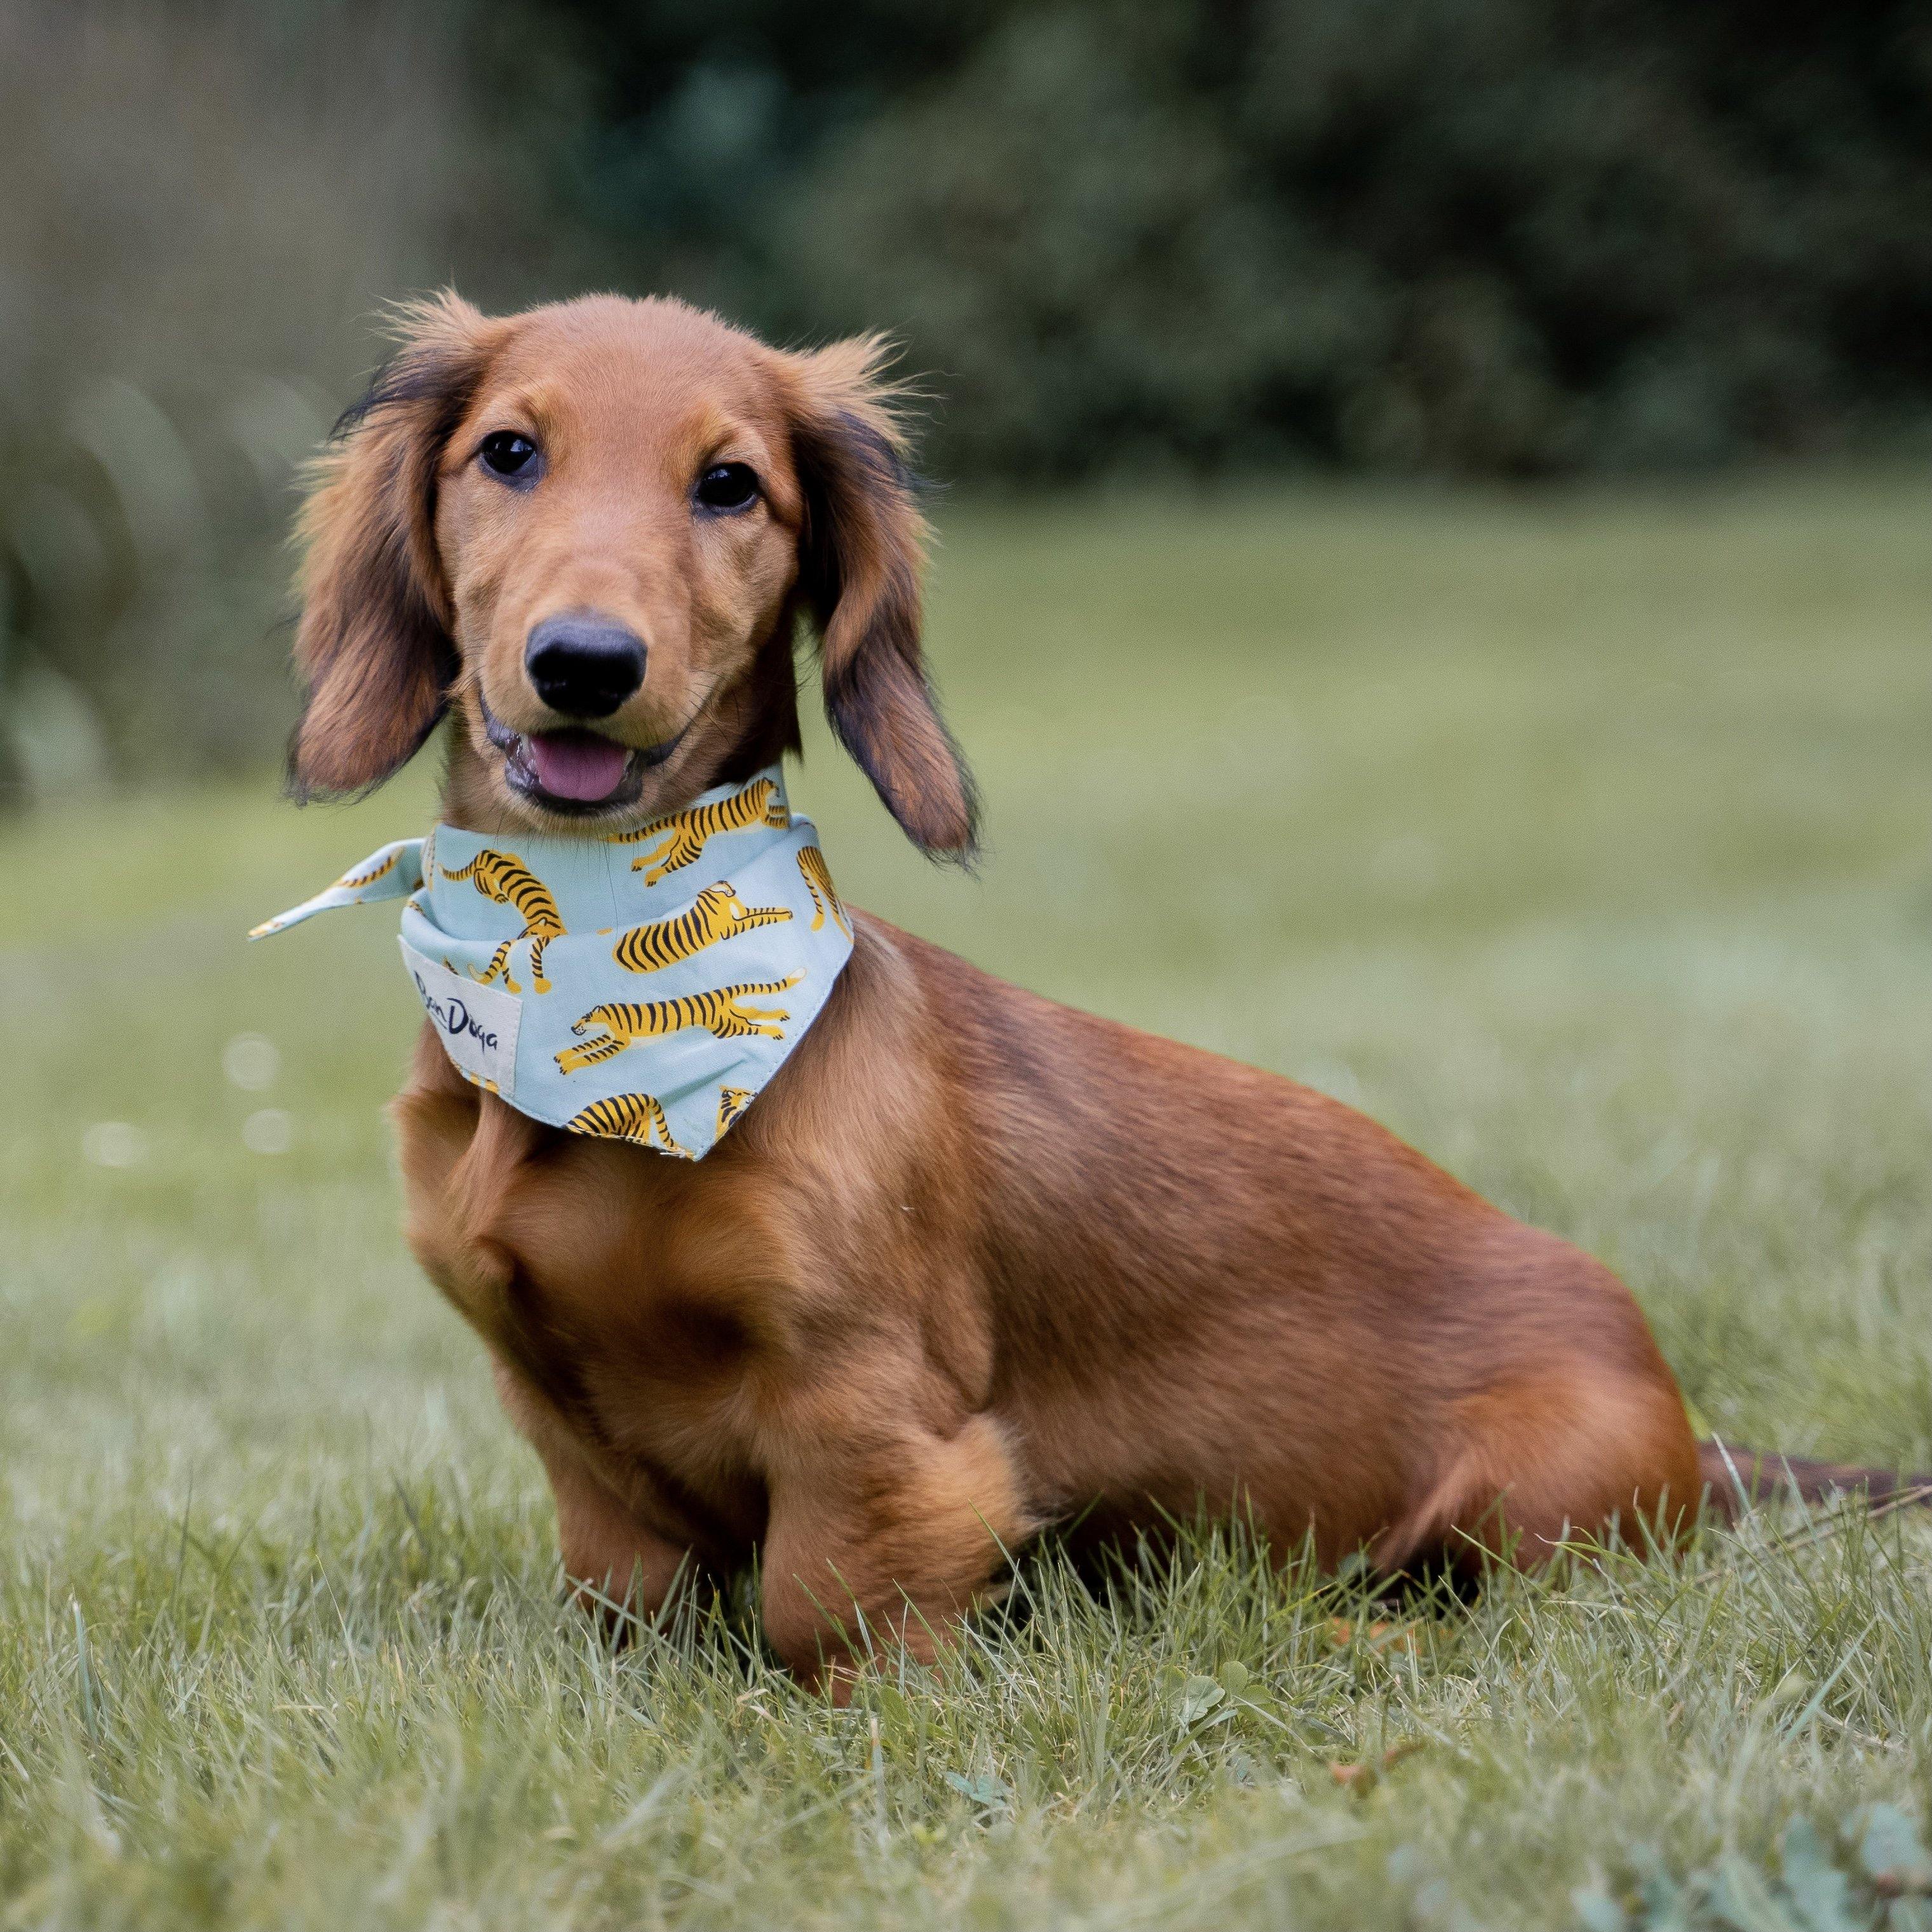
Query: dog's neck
pixel 739 732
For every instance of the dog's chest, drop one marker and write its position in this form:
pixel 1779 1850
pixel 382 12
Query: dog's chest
pixel 591 1272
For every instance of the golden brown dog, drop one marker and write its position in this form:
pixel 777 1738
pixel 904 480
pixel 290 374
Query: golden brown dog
pixel 973 1260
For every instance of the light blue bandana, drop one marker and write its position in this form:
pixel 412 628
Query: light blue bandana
pixel 644 987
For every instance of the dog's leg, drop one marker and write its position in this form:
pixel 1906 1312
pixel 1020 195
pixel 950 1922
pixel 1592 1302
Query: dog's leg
pixel 616 1563
pixel 1566 1454
pixel 875 1546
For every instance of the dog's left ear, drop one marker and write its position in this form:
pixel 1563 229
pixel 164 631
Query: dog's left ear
pixel 861 551
pixel 374 647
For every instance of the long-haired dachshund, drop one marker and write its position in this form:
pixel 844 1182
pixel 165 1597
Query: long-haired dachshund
pixel 973 1262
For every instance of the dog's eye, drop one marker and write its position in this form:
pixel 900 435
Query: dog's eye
pixel 504 453
pixel 727 486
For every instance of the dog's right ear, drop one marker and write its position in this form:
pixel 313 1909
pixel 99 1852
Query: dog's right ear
pixel 374 648
pixel 860 553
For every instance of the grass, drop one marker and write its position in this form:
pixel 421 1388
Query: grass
pixel 1583 839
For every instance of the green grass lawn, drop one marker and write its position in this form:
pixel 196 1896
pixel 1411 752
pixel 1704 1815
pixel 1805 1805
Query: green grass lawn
pixel 1584 840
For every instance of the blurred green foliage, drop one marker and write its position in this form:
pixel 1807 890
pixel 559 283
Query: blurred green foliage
pixel 1495 236
pixel 204 204
pixel 1117 237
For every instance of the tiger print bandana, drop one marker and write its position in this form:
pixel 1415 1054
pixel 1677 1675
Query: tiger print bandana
pixel 644 987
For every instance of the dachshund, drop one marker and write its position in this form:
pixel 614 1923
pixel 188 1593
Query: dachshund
pixel 973 1263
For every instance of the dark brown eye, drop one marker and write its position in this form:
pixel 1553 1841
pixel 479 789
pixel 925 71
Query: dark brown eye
pixel 727 486
pixel 506 454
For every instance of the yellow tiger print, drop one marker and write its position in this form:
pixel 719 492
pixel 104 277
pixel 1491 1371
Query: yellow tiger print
pixel 717 913
pixel 818 877
pixel 628 1117
pixel 684 833
pixel 732 1101
pixel 719 1012
pixel 351 880
pixel 504 878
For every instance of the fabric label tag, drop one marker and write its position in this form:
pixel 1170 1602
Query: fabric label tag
pixel 477 1024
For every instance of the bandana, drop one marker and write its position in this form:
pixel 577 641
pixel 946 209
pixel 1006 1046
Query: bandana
pixel 643 987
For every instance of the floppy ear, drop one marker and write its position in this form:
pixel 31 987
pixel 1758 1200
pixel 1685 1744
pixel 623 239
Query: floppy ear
pixel 373 649
pixel 860 554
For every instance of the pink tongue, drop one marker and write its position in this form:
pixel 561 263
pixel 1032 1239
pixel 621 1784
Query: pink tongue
pixel 576 764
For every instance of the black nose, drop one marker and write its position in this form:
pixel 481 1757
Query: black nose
pixel 583 666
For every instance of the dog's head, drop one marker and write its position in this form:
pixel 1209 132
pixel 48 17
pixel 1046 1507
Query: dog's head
pixel 590 530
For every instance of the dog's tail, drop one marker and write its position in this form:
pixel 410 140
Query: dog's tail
pixel 1736 1479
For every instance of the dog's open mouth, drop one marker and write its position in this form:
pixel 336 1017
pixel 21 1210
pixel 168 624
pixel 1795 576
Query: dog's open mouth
pixel 573 770
pixel 577 766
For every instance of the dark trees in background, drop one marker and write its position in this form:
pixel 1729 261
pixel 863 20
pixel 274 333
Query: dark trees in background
pixel 1497 236
pixel 1512 238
